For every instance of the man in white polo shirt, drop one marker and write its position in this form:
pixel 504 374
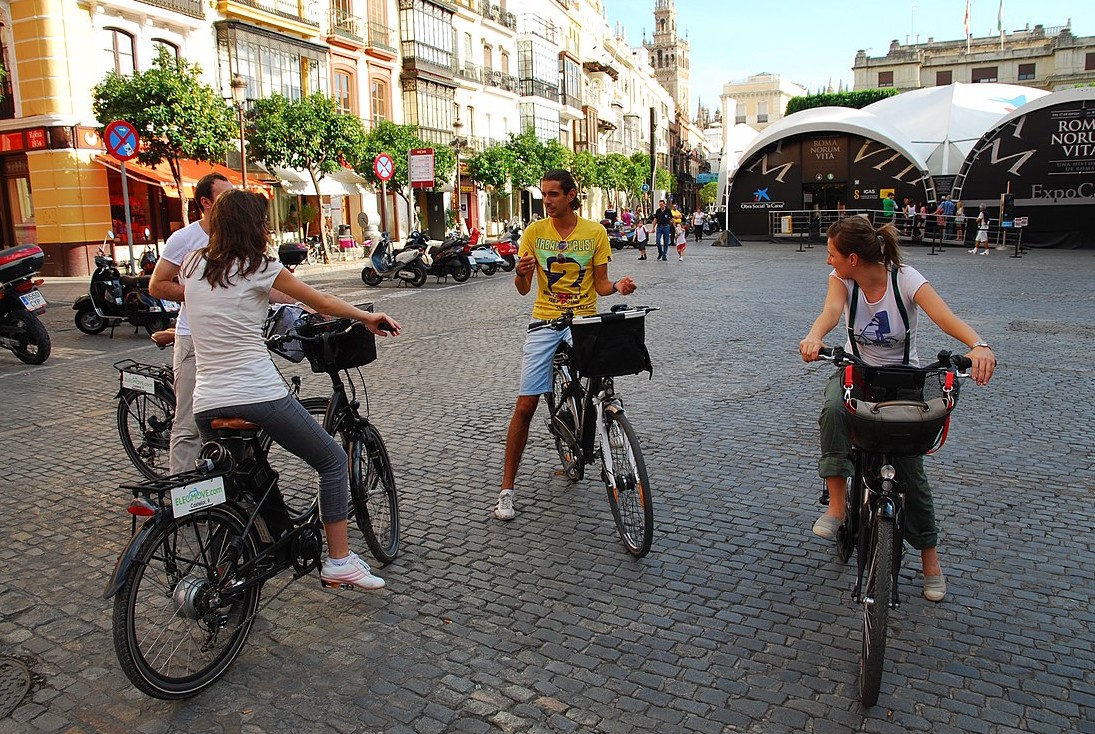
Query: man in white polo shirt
pixel 185 441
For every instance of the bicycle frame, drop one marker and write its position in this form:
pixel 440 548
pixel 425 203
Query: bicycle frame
pixel 879 500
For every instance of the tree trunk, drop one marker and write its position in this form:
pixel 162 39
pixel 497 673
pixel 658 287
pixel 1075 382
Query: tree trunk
pixel 322 219
pixel 176 172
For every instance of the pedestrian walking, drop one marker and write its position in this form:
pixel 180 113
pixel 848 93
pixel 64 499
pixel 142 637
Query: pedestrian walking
pixel 982 239
pixel 959 221
pixel 682 241
pixel 642 235
pixel 699 219
pixel 889 208
pixel 562 243
pixel 663 220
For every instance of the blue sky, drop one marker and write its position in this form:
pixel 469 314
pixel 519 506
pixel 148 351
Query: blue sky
pixel 814 42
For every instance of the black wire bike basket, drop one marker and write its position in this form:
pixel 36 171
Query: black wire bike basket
pixel 611 344
pixel 899 411
pixel 337 344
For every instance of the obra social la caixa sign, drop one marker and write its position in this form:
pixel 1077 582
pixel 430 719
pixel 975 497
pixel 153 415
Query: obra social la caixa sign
pixel 198 496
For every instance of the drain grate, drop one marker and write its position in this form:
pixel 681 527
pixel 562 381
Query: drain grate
pixel 14 684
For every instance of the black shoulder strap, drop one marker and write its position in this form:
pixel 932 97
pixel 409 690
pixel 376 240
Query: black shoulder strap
pixel 904 316
pixel 900 308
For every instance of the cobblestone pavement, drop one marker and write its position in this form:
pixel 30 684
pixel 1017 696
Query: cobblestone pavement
pixel 739 619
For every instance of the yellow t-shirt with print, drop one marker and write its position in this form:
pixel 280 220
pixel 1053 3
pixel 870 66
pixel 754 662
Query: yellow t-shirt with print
pixel 564 271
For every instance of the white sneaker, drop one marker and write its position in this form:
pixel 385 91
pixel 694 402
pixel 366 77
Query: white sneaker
pixel 973 251
pixel 504 509
pixel 985 251
pixel 355 572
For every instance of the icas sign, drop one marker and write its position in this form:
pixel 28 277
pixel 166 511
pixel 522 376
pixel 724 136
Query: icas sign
pixel 420 168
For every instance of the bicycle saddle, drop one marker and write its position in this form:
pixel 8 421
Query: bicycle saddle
pixel 233 424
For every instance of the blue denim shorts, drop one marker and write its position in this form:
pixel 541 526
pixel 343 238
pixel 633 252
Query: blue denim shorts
pixel 536 358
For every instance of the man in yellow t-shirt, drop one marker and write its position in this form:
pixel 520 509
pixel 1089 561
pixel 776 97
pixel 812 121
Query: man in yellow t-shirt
pixel 569 256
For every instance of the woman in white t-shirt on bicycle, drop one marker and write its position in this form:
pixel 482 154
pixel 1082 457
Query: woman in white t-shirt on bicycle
pixel 227 286
pixel 881 297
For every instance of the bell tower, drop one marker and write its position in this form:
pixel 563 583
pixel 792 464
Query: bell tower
pixel 669 54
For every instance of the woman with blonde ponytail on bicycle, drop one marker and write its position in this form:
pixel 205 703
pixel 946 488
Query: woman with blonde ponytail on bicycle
pixel 880 299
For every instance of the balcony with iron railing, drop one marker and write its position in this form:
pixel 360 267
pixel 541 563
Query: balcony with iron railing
pixel 501 80
pixel 293 12
pixel 537 88
pixel 345 25
pixel 498 14
pixel 468 71
pixel 193 8
pixel 380 37
pixel 435 135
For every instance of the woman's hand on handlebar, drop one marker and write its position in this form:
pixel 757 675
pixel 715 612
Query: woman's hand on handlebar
pixel 984 364
pixel 809 348
pixel 382 324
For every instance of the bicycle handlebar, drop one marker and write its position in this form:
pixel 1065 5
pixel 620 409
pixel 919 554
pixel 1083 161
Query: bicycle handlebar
pixel 562 322
pixel 945 359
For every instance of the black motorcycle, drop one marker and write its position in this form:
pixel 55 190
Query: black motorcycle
pixel 21 303
pixel 114 298
pixel 445 259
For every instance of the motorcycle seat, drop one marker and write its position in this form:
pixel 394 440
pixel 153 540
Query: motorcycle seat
pixel 135 281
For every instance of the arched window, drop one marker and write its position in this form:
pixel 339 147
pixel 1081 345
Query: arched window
pixel 378 90
pixel 342 87
pixel 119 51
pixel 171 48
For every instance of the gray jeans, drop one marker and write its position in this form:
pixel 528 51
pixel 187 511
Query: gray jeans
pixel 185 441
pixel 295 430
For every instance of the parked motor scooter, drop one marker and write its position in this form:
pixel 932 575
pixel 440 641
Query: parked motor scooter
pixel 508 245
pixel 114 298
pixel 21 303
pixel 486 259
pixel 404 266
pixel 449 258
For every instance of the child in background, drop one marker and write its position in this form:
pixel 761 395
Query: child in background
pixel 682 241
pixel 642 235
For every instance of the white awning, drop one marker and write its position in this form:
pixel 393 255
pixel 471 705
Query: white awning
pixel 535 191
pixel 339 183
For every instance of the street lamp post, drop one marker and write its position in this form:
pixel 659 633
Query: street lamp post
pixel 239 97
pixel 457 144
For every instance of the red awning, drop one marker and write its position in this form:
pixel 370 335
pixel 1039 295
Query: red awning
pixel 192 171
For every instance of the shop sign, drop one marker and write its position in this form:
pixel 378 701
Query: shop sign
pixel 37 138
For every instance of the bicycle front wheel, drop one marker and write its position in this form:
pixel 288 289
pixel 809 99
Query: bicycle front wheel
pixel 877 591
pixel 144 425
pixel 176 629
pixel 624 473
pixel 372 490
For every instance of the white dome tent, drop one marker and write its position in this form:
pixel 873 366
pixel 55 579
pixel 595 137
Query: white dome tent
pixel 942 124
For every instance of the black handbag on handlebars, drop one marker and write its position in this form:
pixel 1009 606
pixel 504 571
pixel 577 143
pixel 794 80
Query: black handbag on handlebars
pixel 337 344
pixel 611 344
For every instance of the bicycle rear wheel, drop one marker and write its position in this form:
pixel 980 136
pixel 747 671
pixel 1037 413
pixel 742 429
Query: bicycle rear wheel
pixel 562 423
pixel 877 592
pixel 624 473
pixel 175 632
pixel 372 491
pixel 144 426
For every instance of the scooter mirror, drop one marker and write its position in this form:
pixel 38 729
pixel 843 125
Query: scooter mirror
pixel 147 233
pixel 110 234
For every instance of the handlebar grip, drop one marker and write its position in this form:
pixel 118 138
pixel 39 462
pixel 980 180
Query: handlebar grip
pixel 963 363
pixel 826 352
pixel 385 326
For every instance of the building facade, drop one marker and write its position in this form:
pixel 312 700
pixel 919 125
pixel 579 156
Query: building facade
pixel 1049 58
pixel 758 100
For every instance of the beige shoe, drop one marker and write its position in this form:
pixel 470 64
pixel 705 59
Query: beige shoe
pixel 826 526
pixel 935 588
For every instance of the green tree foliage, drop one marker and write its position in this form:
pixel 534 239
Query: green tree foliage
pixel 398 141
pixel 307 133
pixel 614 174
pixel 664 180
pixel 490 168
pixel 856 100
pixel 176 115
pixel 709 192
